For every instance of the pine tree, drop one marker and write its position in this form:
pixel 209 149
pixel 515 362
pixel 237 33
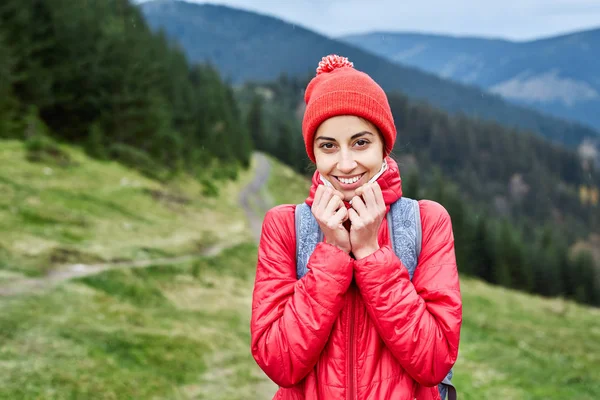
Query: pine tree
pixel 284 149
pixel 549 276
pixel 256 125
pixel 410 188
pixel 587 288
pixel 481 256
pixel 7 102
pixel 243 142
pixel 96 145
pixel 505 262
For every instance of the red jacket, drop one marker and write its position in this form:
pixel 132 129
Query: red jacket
pixel 357 329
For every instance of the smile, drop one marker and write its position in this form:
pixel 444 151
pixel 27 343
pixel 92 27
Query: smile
pixel 349 180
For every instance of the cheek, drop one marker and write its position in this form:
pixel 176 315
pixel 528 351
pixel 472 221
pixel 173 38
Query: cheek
pixel 374 162
pixel 323 164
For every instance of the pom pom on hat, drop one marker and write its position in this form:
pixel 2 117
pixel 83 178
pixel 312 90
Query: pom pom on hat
pixel 331 62
pixel 340 89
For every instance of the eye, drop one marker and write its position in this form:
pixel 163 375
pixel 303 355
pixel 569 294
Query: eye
pixel 362 142
pixel 327 146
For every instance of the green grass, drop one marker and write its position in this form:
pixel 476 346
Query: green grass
pixel 182 331
pixel 518 346
pixel 91 211
pixel 285 185
pixel 161 332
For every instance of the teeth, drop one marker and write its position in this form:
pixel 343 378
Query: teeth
pixel 349 181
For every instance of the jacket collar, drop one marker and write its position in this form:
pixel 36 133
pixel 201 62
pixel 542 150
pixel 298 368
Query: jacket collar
pixel 390 183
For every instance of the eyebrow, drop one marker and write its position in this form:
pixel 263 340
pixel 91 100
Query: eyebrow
pixel 356 135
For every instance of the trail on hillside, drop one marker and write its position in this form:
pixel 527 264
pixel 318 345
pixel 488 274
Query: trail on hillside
pixel 253 192
pixel 249 194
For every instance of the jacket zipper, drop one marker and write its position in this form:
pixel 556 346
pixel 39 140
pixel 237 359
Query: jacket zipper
pixel 351 349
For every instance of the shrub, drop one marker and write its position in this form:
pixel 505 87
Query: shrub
pixel 136 159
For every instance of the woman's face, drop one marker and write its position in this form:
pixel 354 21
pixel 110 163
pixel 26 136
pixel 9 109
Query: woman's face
pixel 348 152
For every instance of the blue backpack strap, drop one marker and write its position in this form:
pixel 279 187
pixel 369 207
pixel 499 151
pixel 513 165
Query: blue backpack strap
pixel 404 223
pixel 447 388
pixel 404 226
pixel 308 235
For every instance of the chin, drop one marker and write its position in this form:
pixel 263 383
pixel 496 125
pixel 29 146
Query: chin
pixel 348 194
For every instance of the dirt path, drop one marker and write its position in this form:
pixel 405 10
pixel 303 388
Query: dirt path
pixel 251 193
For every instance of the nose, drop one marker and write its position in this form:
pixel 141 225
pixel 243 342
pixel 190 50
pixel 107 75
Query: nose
pixel 346 162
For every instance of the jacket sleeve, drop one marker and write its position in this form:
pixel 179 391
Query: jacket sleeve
pixel 292 319
pixel 420 320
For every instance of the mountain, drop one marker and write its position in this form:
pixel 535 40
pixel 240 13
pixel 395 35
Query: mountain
pixel 249 46
pixel 559 75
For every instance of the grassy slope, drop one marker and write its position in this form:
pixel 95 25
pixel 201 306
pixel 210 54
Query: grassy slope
pixel 97 211
pixel 181 332
pixel 160 332
pixel 285 186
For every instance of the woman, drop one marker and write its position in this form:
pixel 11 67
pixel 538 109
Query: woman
pixel 355 326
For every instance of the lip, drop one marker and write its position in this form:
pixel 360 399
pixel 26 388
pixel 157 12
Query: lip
pixel 351 186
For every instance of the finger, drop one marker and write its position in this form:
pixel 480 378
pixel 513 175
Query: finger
pixel 338 193
pixel 334 203
pixel 369 197
pixel 340 216
pixel 325 197
pixel 378 195
pixel 318 194
pixel 360 192
pixel 353 216
pixel 345 215
pixel 359 205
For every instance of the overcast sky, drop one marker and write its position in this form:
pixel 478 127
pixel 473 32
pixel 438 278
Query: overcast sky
pixel 509 19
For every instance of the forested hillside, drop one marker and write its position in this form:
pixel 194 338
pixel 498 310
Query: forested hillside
pixel 515 199
pixel 250 46
pixel 93 74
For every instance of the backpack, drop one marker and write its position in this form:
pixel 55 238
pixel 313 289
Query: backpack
pixel 404 222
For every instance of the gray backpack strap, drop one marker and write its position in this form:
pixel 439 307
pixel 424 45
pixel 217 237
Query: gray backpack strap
pixel 446 388
pixel 404 223
pixel 308 235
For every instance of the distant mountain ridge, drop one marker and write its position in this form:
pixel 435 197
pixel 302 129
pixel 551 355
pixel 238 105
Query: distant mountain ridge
pixel 249 46
pixel 559 75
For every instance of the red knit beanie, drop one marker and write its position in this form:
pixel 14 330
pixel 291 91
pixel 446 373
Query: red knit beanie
pixel 340 89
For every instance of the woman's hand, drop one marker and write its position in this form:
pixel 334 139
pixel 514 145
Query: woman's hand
pixel 330 212
pixel 366 217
